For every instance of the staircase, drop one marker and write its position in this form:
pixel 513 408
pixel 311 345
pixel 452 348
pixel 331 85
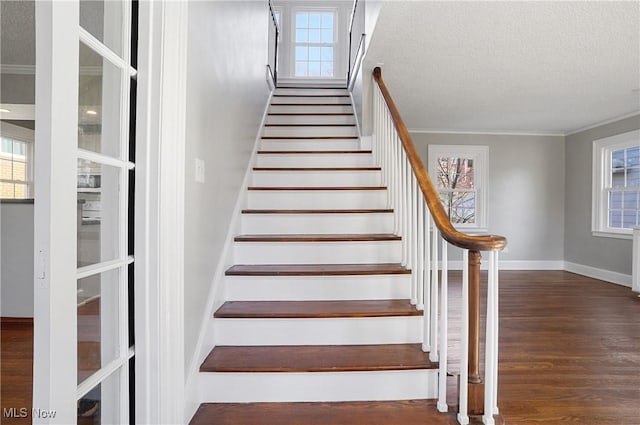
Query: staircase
pixel 317 321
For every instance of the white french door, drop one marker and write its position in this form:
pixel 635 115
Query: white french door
pixel 83 338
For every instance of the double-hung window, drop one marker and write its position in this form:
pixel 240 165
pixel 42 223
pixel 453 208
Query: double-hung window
pixel 315 43
pixel 459 173
pixel 16 162
pixel 616 185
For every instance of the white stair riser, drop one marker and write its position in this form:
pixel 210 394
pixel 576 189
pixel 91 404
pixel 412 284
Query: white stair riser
pixel 311 100
pixel 313 160
pixel 317 223
pixel 311 119
pixel 308 131
pixel 318 386
pixel 303 91
pixel 307 109
pixel 316 199
pixel 317 178
pixel 324 331
pixel 317 288
pixel 310 145
pixel 318 252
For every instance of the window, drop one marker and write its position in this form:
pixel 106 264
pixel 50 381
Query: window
pixel 460 179
pixel 616 185
pixel 314 44
pixel 16 171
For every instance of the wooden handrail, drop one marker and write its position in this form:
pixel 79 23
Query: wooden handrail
pixel 448 231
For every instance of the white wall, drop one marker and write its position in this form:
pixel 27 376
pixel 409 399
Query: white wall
pixel 526 192
pixel 16 259
pixel 226 97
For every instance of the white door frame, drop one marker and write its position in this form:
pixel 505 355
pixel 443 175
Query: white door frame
pixel 159 220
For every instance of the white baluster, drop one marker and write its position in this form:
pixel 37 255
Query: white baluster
pixel 421 260
pixel 435 237
pixel 414 240
pixel 463 416
pixel 426 289
pixel 444 309
pixel 491 344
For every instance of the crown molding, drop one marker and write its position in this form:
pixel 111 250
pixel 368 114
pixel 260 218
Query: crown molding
pixel 598 124
pixel 484 132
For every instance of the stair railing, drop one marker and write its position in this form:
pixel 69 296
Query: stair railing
pixel 355 56
pixel 423 223
pixel 274 39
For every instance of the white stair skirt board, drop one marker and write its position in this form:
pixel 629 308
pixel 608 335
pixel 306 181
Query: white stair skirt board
pixel 311 119
pixel 310 199
pixel 317 109
pixel 312 92
pixel 317 288
pixel 314 159
pixel 310 131
pixel 310 145
pixel 323 331
pixel 230 387
pixel 317 178
pixel 319 223
pixel 352 252
pixel 311 100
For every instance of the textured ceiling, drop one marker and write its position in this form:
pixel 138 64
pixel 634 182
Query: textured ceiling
pixel 539 67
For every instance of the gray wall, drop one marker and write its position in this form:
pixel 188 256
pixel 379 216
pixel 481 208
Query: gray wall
pixel 526 190
pixel 226 96
pixel 580 246
pixel 16 259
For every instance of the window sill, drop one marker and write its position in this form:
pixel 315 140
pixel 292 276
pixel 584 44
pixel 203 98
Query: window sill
pixel 614 235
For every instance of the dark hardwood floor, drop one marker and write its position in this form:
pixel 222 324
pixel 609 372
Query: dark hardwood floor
pixel 569 354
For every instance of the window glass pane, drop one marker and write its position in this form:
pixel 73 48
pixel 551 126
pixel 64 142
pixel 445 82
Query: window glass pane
pixel 7 190
pixel 633 156
pixel 19 168
pixel 460 206
pixel 301 53
pixel 6 167
pixel 633 177
pixel 302 35
pixel 327 69
pixel 630 200
pixel 314 20
pixel 314 53
pixel 629 219
pixel 103 19
pixel 19 148
pixel 302 20
pixel 314 69
pixel 327 20
pixel 102 405
pixel 327 36
pixel 314 36
pixel 327 54
pixel 615 219
pixel 615 200
pixel 98 213
pixel 98 318
pixel 455 173
pixel 301 69
pixel 7 146
pixel 100 87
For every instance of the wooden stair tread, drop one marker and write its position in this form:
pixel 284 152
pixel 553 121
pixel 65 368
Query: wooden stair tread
pixel 405 412
pixel 316 269
pixel 371 237
pixel 310 104
pixel 317 188
pixel 310 95
pixel 317 168
pixel 309 137
pixel 331 152
pixel 310 113
pixel 317 358
pixel 310 125
pixel 346 211
pixel 315 309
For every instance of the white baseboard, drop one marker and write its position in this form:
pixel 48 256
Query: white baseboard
pixel 601 274
pixel 216 293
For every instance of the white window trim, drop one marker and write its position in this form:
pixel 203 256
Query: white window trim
pixel 480 156
pixel 601 170
pixel 336 45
